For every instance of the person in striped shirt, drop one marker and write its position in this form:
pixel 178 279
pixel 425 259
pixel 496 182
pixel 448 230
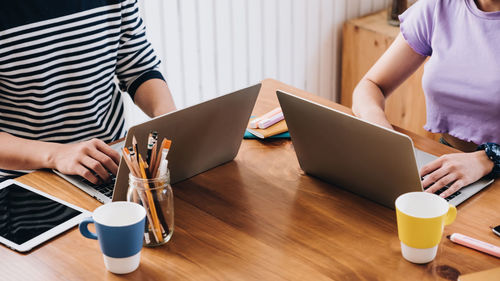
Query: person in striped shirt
pixel 63 65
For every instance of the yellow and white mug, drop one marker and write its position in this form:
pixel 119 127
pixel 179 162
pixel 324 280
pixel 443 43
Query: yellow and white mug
pixel 421 218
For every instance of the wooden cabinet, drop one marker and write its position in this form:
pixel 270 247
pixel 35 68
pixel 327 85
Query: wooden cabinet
pixel 364 41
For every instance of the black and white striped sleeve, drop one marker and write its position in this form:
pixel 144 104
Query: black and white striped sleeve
pixel 137 61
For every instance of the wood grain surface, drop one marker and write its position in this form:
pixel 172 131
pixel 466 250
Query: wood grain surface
pixel 260 217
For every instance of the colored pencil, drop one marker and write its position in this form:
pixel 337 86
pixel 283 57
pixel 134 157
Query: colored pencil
pixel 154 214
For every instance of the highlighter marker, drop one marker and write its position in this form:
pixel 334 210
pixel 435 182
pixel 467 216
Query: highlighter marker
pixel 254 122
pixel 162 169
pixel 263 124
pixel 475 244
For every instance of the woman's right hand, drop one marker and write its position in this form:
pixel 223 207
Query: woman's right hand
pixel 90 159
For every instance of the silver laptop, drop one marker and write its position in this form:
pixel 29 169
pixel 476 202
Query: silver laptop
pixel 369 160
pixel 203 136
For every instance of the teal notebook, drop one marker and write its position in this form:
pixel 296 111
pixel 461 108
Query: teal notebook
pixel 285 135
pixel 248 135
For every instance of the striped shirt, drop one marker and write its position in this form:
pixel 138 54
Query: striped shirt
pixel 58 63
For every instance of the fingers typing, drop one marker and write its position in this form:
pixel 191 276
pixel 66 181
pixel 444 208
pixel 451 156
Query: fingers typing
pixel 96 167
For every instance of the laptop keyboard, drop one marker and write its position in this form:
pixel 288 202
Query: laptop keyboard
pixel 449 197
pixel 104 188
pixel 441 190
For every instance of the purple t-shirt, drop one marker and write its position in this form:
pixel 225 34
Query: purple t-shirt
pixel 461 79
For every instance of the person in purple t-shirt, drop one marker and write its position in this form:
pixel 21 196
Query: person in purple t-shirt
pixel 461 83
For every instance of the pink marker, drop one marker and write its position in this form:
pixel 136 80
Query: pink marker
pixel 271 120
pixel 475 244
pixel 254 122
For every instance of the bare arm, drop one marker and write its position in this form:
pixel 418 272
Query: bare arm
pixel 154 98
pixel 85 159
pixel 19 153
pixel 90 159
pixel 392 69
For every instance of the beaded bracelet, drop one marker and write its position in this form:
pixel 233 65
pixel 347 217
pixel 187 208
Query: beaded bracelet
pixel 492 150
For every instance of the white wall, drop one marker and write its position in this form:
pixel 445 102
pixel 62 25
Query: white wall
pixel 212 47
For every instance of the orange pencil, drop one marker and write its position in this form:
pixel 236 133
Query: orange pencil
pixel 133 170
pixel 154 214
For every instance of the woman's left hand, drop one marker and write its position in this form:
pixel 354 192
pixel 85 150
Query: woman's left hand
pixel 455 170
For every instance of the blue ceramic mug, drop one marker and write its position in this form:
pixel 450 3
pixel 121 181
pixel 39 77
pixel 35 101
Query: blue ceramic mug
pixel 119 230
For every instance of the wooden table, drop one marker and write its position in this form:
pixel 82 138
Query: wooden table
pixel 260 217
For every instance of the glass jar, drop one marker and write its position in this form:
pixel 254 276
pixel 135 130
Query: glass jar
pixel 156 196
pixel 396 8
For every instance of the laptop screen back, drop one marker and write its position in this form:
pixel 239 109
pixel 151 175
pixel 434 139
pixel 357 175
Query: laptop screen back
pixel 366 159
pixel 203 136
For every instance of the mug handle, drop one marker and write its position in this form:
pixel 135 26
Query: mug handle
pixel 84 229
pixel 451 215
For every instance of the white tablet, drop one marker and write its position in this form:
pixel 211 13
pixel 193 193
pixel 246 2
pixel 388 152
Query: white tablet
pixel 29 217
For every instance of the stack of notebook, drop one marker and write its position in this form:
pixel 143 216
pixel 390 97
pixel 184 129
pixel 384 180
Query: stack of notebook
pixel 491 274
pixel 269 125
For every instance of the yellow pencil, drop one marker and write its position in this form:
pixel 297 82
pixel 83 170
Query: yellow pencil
pixel 156 223
pixel 134 171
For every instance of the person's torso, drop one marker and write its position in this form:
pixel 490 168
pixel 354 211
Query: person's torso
pixel 57 65
pixel 462 77
pixel 57 68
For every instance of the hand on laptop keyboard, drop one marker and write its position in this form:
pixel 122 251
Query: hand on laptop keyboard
pixel 455 170
pixel 86 159
pixel 105 188
pixel 442 189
